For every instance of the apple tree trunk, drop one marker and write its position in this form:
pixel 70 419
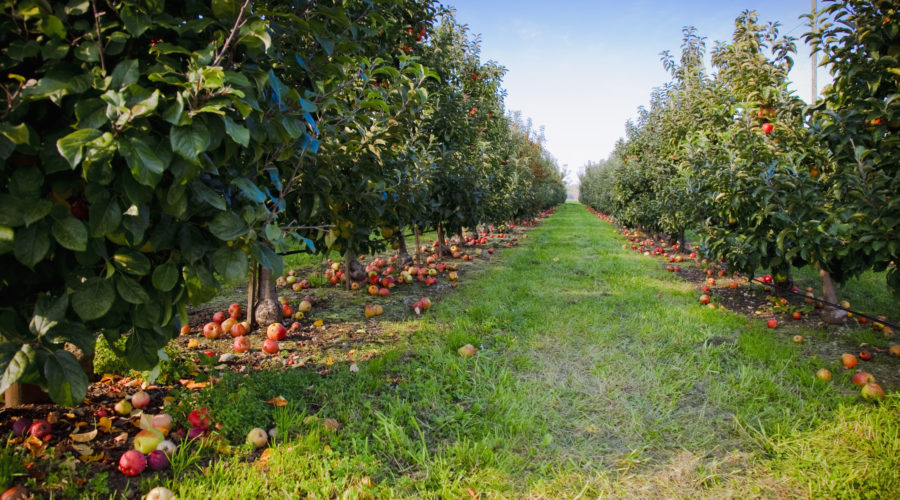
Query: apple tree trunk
pixel 353 270
pixel 831 315
pixel 268 310
pixel 418 251
pixel 442 248
pixel 404 258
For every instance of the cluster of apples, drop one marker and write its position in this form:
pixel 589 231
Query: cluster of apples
pixel 223 324
pixel 292 280
pixel 303 307
pixel 151 445
pixel 870 389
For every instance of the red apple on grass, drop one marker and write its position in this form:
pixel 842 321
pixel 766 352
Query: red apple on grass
pixel 862 378
pixel 872 391
pixel 241 344
pixel 276 331
pixel 270 346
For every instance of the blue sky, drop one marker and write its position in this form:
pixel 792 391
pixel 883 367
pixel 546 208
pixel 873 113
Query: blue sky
pixel 581 68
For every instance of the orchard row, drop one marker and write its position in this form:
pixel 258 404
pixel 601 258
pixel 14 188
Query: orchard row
pixel 767 181
pixel 151 153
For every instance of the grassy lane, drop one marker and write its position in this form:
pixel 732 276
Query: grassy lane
pixel 597 375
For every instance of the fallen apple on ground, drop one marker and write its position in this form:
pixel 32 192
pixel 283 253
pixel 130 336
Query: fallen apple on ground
pixel 872 391
pixel 132 463
pixel 862 378
pixel 467 350
pixel 140 399
pixel 823 374
pixel 160 493
pixel 257 437
pixel 147 440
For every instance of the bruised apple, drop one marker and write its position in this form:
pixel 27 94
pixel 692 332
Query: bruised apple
pixel 241 344
pixel 257 437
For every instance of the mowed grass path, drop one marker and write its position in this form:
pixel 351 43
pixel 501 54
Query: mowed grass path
pixel 597 375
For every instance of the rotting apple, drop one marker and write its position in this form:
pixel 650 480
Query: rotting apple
pixel 157 460
pixel 848 360
pixel 166 446
pixel 123 407
pixel 147 440
pixel 162 423
pixel 17 492
pixel 257 437
pixel 160 493
pixel 865 355
pixel 40 429
pixel 467 351
pixel 872 391
pixel 241 344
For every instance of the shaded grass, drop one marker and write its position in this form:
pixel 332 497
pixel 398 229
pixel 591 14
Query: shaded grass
pixel 596 375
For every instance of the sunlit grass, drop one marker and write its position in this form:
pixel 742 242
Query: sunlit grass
pixel 597 374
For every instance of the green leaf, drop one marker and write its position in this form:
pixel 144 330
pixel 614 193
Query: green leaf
pixel 143 345
pixel 52 26
pixel 7 239
pixel 104 217
pixel 173 113
pixel 75 333
pixel 145 165
pixel 232 263
pixel 239 133
pixel 207 195
pixel 93 298
pixel 71 146
pixel 190 141
pixel 249 189
pixel 228 226
pixel 136 22
pixel 201 285
pixel 132 262
pixel 14 362
pixel 71 233
pixel 130 290
pixel 48 312
pixel 32 245
pixel 35 210
pixel 66 381
pixel 165 277
pixel 226 10
pixel 268 258
pixel 125 74
pixel 90 113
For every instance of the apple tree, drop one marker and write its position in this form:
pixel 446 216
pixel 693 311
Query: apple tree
pixel 125 132
pixel 858 119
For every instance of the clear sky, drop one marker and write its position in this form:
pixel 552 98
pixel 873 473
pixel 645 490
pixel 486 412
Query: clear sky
pixel 581 68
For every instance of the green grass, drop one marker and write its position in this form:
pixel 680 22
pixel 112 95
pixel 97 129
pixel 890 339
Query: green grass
pixel 597 374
